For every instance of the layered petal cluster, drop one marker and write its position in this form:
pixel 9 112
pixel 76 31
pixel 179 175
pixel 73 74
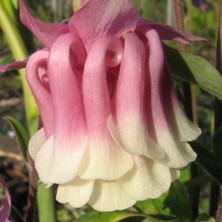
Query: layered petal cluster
pixel 113 130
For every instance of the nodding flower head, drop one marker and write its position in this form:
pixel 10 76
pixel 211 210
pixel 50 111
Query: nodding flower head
pixel 113 130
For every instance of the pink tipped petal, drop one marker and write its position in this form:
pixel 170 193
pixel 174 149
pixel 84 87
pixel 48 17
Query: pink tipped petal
pixel 102 150
pixel 108 196
pixel 179 154
pixel 99 18
pixel 167 32
pixel 59 159
pixel 105 160
pixel 147 179
pixel 14 65
pixel 128 124
pixel 37 77
pixel 77 193
pixel 47 33
pixel 5 209
pixel 187 130
pixel 36 142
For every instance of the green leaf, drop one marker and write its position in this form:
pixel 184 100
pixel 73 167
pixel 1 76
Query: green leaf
pixel 194 69
pixel 199 182
pixel 21 134
pixel 153 206
pixel 179 200
pixel 108 216
pixel 205 218
pixel 217 140
pixel 208 161
pixel 153 219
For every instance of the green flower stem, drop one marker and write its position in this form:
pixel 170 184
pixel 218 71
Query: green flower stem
pixel 188 106
pixel 45 198
pixel 215 187
pixel 19 51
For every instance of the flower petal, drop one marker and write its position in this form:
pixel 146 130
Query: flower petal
pixel 112 18
pixel 59 159
pixel 47 33
pixel 37 77
pixel 102 149
pixel 147 179
pixel 36 142
pixel 128 123
pixel 5 210
pixel 14 65
pixel 105 160
pixel 77 193
pixel 161 125
pixel 166 32
pixel 108 196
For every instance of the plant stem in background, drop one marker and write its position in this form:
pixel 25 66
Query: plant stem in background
pixel 19 51
pixel 178 5
pixel 215 187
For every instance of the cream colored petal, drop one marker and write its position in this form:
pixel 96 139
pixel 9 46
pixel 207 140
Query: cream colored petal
pixel 132 136
pixel 147 179
pixel 108 196
pixel 175 174
pixel 178 154
pixel 36 142
pixel 56 164
pixel 105 160
pixel 187 130
pixel 77 193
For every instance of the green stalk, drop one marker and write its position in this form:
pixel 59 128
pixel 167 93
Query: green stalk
pixel 19 52
pixel 188 106
pixel 11 31
pixel 45 198
pixel 215 187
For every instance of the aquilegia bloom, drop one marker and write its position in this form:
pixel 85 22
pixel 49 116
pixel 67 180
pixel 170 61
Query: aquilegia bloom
pixel 113 131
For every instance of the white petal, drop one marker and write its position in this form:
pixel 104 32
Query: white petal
pixel 133 137
pixel 77 193
pixel 108 196
pixel 147 179
pixel 61 164
pixel 187 130
pixel 175 174
pixel 36 142
pixel 105 160
pixel 179 154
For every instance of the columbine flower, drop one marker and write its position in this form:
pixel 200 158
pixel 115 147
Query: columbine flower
pixel 5 207
pixel 113 131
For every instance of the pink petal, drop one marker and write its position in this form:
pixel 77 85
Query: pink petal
pixel 37 77
pixel 59 159
pixel 99 18
pixel 161 121
pixel 5 210
pixel 47 33
pixel 128 125
pixel 102 150
pixel 166 32
pixel 14 65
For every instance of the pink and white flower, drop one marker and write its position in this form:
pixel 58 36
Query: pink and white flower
pixel 113 130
